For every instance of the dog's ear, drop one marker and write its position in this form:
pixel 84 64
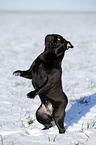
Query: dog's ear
pixel 69 45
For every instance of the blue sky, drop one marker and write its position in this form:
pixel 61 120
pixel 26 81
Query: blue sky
pixel 48 5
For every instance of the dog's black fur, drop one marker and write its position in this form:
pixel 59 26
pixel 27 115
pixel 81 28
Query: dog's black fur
pixel 45 73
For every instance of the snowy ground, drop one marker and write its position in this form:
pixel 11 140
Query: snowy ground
pixel 21 41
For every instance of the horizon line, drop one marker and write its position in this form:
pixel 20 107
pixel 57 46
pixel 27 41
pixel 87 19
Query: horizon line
pixel 46 11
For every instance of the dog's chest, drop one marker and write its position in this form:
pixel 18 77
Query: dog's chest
pixel 39 75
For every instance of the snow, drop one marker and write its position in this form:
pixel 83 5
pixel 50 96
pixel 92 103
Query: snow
pixel 21 41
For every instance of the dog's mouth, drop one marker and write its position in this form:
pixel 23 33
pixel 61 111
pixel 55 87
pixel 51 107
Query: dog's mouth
pixel 69 45
pixel 72 46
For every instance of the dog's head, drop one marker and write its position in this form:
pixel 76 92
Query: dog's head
pixel 56 44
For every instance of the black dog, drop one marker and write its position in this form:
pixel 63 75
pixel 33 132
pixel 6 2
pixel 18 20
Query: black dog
pixel 45 73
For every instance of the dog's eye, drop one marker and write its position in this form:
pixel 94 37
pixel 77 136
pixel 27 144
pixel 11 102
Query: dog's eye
pixel 58 39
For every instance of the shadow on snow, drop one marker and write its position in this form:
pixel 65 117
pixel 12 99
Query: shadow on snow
pixel 79 108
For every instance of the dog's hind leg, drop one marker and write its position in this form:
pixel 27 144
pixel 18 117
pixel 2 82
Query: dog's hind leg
pixel 58 115
pixel 44 116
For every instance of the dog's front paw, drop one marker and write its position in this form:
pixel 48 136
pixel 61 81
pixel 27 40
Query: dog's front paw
pixel 17 73
pixel 31 95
